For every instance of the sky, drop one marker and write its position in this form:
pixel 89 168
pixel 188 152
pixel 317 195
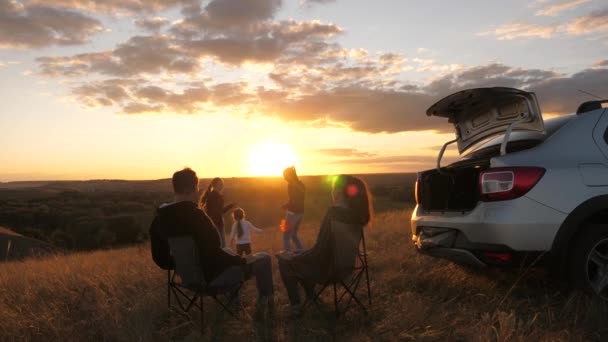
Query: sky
pixel 136 89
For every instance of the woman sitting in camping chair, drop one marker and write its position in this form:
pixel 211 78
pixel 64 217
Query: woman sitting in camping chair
pixel 341 230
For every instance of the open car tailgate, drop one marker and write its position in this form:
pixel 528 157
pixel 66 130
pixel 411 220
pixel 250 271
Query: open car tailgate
pixel 484 112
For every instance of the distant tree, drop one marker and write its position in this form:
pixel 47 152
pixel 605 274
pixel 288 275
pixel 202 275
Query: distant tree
pixel 61 239
pixel 105 238
pixel 83 232
pixel 126 229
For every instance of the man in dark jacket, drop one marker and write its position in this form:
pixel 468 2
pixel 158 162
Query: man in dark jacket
pixel 184 218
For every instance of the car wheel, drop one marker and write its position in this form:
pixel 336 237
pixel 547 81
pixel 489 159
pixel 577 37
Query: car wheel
pixel 589 260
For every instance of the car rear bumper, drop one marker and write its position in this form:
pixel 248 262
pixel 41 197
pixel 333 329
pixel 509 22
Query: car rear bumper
pixel 454 254
pixel 521 224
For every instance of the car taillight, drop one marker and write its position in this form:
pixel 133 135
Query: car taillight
pixel 507 183
pixel 416 191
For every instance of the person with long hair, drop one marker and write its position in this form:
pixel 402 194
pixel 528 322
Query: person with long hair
pixel 294 209
pixel 352 205
pixel 212 202
pixel 241 232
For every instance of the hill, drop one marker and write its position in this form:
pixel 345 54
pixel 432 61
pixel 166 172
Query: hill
pixel 15 246
pixel 97 214
pixel 120 295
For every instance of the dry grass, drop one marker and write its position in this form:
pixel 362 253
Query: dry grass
pixel 120 296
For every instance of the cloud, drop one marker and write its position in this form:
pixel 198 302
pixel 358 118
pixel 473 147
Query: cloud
pixel 372 108
pixel 376 110
pixel 310 79
pixel 556 9
pixel 523 30
pixel 153 24
pixel 163 53
pixel 118 6
pixel 34 26
pixel 310 3
pixel 537 3
pixel 343 152
pixel 104 93
pixel 266 43
pixel 560 94
pixel 594 23
pixel 136 96
pixel 139 55
pixel 601 63
pixel 220 16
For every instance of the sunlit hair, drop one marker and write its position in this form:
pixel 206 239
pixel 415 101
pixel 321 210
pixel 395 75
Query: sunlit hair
pixel 238 215
pixel 185 181
pixel 356 196
pixel 214 183
pixel 290 174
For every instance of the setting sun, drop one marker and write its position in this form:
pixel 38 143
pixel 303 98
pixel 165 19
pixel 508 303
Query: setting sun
pixel 270 158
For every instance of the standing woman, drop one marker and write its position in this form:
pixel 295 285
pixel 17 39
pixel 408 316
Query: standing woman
pixel 212 202
pixel 294 209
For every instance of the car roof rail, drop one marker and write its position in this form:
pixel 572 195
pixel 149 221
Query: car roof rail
pixel 590 105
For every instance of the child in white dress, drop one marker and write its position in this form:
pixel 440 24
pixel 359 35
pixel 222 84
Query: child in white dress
pixel 241 232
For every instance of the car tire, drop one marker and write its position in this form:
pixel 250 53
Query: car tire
pixel 588 266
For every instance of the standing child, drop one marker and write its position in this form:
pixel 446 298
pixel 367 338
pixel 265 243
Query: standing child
pixel 240 231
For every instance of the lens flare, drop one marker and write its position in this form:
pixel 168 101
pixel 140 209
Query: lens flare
pixel 352 190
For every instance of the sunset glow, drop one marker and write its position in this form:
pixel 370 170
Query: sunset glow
pixel 270 159
pixel 137 89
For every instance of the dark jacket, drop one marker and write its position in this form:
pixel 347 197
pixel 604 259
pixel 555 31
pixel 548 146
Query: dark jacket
pixel 214 207
pixel 312 265
pixel 184 218
pixel 295 192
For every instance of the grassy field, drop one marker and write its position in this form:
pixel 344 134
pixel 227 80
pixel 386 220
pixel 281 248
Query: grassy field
pixel 119 295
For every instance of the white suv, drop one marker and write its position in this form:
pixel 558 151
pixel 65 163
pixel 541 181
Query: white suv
pixel 521 187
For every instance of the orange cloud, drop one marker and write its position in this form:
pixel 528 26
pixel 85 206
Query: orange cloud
pixel 119 6
pixel 556 9
pixel 593 23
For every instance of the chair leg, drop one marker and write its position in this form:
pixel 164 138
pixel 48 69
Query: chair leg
pixel 316 296
pixel 224 306
pixel 354 285
pixel 202 316
pixel 168 289
pixel 353 297
pixel 336 300
pixel 369 290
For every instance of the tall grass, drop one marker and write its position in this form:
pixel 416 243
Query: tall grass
pixel 120 295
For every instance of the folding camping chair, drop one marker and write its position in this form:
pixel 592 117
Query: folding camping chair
pixel 187 283
pixel 348 267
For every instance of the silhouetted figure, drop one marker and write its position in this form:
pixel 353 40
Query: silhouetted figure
pixel 184 218
pixel 241 231
pixel 294 209
pixel 212 202
pixel 351 206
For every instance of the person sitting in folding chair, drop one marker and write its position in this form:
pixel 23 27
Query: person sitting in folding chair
pixel 184 218
pixel 332 260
